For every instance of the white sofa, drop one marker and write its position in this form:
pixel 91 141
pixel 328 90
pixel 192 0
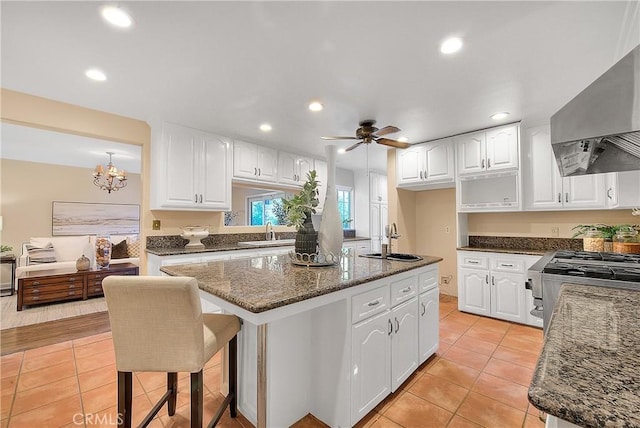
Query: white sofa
pixel 68 249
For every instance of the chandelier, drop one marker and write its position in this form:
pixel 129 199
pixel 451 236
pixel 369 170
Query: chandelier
pixel 112 179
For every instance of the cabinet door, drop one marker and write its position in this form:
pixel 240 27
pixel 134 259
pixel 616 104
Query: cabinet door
pixel 371 364
pixel 623 189
pixel 502 148
pixel 304 166
pixel 584 191
pixel 404 346
pixel 429 324
pixel 245 160
pixel 267 164
pixel 473 291
pixel 507 296
pixel 377 188
pixel 321 176
pixel 180 152
pixel 543 180
pixel 409 165
pixel 375 227
pixel 215 177
pixel 471 153
pixel 287 168
pixel 439 161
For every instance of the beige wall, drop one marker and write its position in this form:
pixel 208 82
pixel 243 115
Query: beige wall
pixel 28 189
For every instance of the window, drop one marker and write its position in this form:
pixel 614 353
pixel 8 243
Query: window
pixel 344 206
pixel 264 208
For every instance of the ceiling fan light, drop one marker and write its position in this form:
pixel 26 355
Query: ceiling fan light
pixel 403 139
pixel 342 151
pixel 500 115
pixel 116 16
pixel 316 106
pixel 451 45
pixel 265 127
pixel 95 74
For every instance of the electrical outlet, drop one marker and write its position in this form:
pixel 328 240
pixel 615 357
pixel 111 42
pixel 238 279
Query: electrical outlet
pixel 447 229
pixel 155 225
pixel 555 231
pixel 446 279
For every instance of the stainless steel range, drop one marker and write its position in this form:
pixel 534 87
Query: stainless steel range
pixel 578 267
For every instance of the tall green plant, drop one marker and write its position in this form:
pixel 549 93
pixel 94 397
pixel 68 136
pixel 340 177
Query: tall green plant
pixel 302 205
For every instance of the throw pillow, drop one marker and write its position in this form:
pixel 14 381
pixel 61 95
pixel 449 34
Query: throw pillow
pixel 133 247
pixel 119 251
pixel 38 255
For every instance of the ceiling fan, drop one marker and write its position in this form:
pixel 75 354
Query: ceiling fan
pixel 368 133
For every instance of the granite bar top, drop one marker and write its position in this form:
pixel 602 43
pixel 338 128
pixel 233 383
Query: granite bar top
pixel 589 369
pixel 521 245
pixel 263 283
pixel 172 251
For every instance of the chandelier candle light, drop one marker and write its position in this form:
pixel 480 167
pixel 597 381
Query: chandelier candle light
pixel 112 179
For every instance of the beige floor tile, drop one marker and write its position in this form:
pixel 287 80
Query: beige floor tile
pixel 488 412
pixel 43 395
pixel 411 411
pixel 485 334
pixel 48 349
pixel 509 371
pixel 439 391
pixel 10 364
pixel 509 393
pixel 92 362
pixel 454 372
pixel 516 356
pixel 36 362
pixel 466 357
pixel 92 339
pixel 476 345
pixel 56 414
pixel 46 375
pixel 94 348
pixel 459 422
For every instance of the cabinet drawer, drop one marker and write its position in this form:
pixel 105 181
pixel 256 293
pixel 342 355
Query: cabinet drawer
pixel 403 290
pixel 507 264
pixel 50 297
pixel 369 303
pixel 37 282
pixel 94 290
pixel 50 288
pixel 428 280
pixel 474 261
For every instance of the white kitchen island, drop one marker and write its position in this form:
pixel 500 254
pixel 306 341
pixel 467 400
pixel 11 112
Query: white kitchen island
pixel 331 341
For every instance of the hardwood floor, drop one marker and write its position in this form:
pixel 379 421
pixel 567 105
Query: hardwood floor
pixel 34 336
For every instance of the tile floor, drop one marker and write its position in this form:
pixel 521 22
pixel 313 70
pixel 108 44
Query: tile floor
pixel 479 377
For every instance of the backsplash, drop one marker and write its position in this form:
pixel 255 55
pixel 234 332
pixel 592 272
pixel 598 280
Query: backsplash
pixel 212 241
pixel 519 243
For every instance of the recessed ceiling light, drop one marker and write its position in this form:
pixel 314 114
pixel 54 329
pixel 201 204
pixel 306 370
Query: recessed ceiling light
pixel 95 74
pixel 316 106
pixel 451 45
pixel 116 16
pixel 341 151
pixel 403 139
pixel 500 115
pixel 265 127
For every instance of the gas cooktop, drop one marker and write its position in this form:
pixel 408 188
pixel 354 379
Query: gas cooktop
pixel 621 267
pixel 574 256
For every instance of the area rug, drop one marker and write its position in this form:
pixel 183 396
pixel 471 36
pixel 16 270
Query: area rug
pixel 11 317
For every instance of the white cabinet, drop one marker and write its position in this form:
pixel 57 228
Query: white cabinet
pixel 377 188
pixel 293 169
pixel 395 329
pixel 357 247
pixel 321 176
pixel 493 284
pixel 429 165
pixel 493 150
pixel 378 218
pixel 191 170
pixel 254 162
pixel 546 189
pixel 623 189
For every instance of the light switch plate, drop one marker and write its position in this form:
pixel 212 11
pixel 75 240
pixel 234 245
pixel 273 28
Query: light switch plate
pixel 156 225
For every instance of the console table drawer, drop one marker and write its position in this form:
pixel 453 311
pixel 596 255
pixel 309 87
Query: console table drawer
pixel 52 288
pixel 52 296
pixel 39 282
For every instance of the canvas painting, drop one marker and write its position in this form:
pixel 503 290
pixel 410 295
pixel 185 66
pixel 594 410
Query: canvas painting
pixel 78 218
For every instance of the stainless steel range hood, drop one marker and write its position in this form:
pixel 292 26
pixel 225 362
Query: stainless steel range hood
pixel 599 130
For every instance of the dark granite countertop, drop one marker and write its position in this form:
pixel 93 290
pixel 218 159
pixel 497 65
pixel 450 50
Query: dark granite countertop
pixel 520 244
pixel 172 251
pixel 259 284
pixel 589 369
pixel 526 251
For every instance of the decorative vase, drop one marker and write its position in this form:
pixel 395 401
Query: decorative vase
pixel 330 235
pixel 83 263
pixel 306 238
pixel 103 251
pixel 194 234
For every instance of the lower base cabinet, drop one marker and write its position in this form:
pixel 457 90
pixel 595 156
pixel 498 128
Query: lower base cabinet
pixel 429 307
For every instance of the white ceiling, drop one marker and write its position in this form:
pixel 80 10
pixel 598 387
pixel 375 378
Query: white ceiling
pixel 226 67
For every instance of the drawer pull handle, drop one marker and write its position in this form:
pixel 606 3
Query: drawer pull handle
pixel 397 325
pixel 73 278
pixel 36 282
pixel 486 278
pixel 72 293
pixel 473 262
pixel 482 164
pixel 35 298
pixel 406 290
pixel 424 309
pixel 35 290
pixel 493 280
pixel 72 286
pixel 373 303
pixel 390 327
pixel 506 264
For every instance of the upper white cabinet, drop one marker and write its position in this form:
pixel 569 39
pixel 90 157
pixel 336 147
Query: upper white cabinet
pixel 321 176
pixel 424 166
pixel 545 189
pixel 488 151
pixel 191 170
pixel 293 169
pixel 377 188
pixel 623 189
pixel 251 161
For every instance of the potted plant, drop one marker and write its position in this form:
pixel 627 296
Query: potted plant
pixel 605 232
pixel 298 211
pixel 5 249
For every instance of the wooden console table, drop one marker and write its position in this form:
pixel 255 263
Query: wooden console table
pixel 55 285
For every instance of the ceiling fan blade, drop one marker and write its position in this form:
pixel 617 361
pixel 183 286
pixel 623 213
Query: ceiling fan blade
pixel 339 138
pixel 387 130
pixel 392 143
pixel 348 149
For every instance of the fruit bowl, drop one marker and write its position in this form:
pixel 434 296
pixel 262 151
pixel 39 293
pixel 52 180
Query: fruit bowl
pixel 195 234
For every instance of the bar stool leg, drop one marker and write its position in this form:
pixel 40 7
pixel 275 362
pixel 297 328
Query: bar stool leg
pixel 197 400
pixel 172 385
pixel 233 376
pixel 124 399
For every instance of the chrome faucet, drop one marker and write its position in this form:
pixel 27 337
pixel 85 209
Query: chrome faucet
pixel 391 232
pixel 270 235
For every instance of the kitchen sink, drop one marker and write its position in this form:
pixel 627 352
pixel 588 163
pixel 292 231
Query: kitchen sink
pixel 276 243
pixel 394 256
